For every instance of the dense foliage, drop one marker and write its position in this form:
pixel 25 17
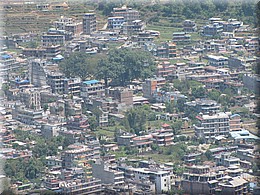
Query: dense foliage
pixel 124 65
pixel 189 9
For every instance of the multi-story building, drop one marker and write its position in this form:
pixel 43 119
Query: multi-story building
pixel 212 30
pixel 76 28
pixel 181 37
pixel 235 122
pixel 79 152
pixel 124 96
pixel 62 22
pixel 165 69
pixel 72 86
pixel 7 64
pixel 115 23
pixel 234 185
pixel 150 86
pixel 163 138
pixel 225 159
pixel 26 115
pixel 161 178
pixel 92 88
pixel 211 126
pixel 50 39
pixel 189 26
pixel 200 180
pixel 89 23
pixel 56 81
pixel 217 61
pixel 204 105
pixel 128 13
pixel 107 174
pixel 31 98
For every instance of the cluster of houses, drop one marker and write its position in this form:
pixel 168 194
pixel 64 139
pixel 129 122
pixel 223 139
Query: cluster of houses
pixel 39 98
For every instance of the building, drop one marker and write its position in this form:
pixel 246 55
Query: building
pixel 92 88
pixel 217 61
pixel 150 86
pixel 211 126
pixel 89 23
pixel 50 39
pixel 235 185
pixel 107 174
pixel 163 138
pixel 189 26
pixel 79 152
pixel 7 64
pixel 56 81
pixel 115 23
pixel 213 29
pixel 26 115
pixel 50 130
pixel 128 13
pixel 200 180
pixel 204 106
pixel 225 159
pixel 181 37
pixel 31 98
pixel 235 122
pixel 161 178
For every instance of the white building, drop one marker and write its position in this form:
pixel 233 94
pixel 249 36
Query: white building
pixel 162 179
pixel 211 126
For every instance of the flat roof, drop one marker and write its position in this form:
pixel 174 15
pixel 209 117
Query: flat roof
pixel 91 82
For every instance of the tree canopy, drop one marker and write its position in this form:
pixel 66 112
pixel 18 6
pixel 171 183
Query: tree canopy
pixel 124 65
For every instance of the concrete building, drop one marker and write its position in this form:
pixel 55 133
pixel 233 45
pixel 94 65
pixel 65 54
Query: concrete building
pixel 235 122
pixel 200 180
pixel 225 159
pixel 161 178
pixel 115 23
pixel 26 115
pixel 150 86
pixel 204 106
pixel 104 171
pixel 92 88
pixel 128 13
pixel 212 30
pixel 79 152
pixel 89 23
pixel 7 64
pixel 50 130
pixel 56 81
pixel 211 126
pixel 50 39
pixel 189 26
pixel 181 37
pixel 163 138
pixel 217 61
pixel 235 185
pixel 37 74
pixel 31 98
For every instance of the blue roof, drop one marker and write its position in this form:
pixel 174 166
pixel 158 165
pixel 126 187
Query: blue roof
pixel 6 56
pixel 234 115
pixel 91 82
pixel 22 82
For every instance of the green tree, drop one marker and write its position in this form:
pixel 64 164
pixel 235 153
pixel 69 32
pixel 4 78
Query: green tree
pixel 78 65
pixel 124 65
